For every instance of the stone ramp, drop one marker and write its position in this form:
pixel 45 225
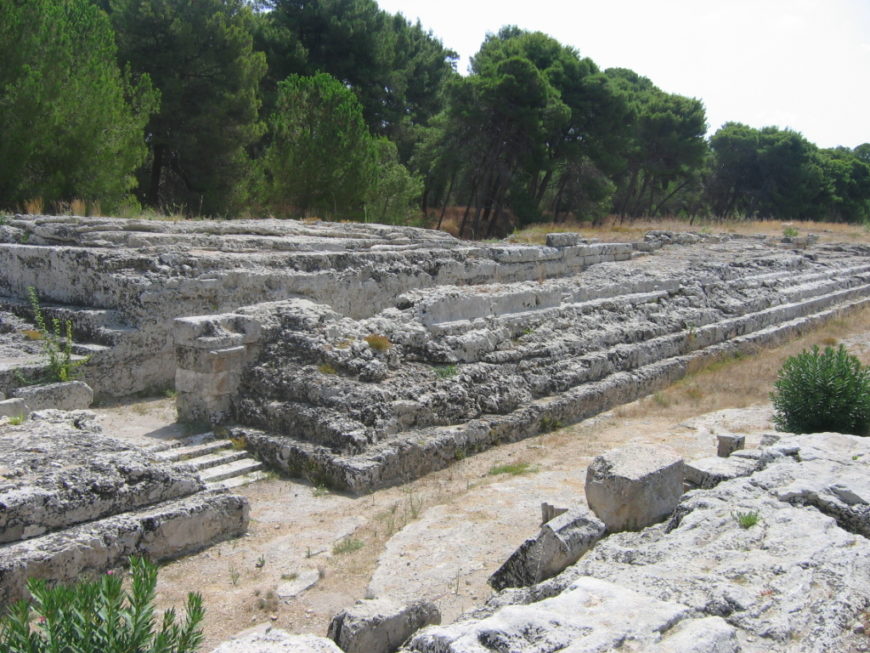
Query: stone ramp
pixel 320 403
pixel 78 502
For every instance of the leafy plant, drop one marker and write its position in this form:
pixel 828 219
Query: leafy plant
pixel 827 391
pixel 790 232
pixel 17 420
pixel 746 519
pixel 446 371
pixel 56 344
pixel 100 616
pixel 378 342
pixel 550 424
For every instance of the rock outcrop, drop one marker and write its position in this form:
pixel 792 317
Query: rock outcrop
pixel 794 577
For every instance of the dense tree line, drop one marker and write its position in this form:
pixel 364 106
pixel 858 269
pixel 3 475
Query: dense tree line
pixel 338 109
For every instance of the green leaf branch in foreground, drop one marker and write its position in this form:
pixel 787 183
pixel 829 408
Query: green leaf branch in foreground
pixel 100 616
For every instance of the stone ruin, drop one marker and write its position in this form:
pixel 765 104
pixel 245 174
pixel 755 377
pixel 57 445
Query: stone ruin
pixel 358 356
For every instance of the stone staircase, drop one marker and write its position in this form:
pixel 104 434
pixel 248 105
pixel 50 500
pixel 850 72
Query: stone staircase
pixel 220 463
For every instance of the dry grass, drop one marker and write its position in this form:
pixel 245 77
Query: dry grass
pixel 737 382
pixel 614 230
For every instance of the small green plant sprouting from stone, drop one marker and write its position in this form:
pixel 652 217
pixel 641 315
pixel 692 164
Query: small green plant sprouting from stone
pixel 261 562
pixel 691 331
pixel 17 420
pixel 790 232
pixel 234 575
pixel 290 577
pixel 347 545
pixel 378 342
pixel 238 443
pixel 56 344
pixel 320 490
pixel 170 393
pixel 446 371
pixel 746 519
pixel 512 469
pixel 326 368
pixel 549 424
pixel 460 454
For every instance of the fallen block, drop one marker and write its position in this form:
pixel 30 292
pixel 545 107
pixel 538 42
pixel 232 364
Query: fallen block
pixel 729 443
pixel 13 408
pixel 69 395
pixel 634 487
pixel 380 625
pixel 560 543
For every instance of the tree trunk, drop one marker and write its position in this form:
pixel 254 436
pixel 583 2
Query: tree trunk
pixel 153 196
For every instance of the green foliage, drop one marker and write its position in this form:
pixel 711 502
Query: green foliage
pixel 17 420
pixel 548 424
pixel 790 232
pixel 823 391
pixel 56 344
pixel 200 56
pixel 100 616
pixel 321 158
pixel 746 519
pixel 72 120
pixel 446 371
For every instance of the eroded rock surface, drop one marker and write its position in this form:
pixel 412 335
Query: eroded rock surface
pixel 797 580
pixel 74 501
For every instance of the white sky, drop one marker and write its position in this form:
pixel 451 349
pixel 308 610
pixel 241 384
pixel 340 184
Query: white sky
pixel 802 64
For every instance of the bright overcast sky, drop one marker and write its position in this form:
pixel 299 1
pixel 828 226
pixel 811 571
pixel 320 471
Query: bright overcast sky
pixel 802 64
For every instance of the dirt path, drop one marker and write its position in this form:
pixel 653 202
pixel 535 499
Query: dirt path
pixel 441 536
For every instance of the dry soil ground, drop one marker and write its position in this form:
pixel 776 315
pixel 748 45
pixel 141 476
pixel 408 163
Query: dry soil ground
pixel 441 536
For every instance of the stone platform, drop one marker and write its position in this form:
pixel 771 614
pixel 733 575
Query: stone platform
pixel 76 502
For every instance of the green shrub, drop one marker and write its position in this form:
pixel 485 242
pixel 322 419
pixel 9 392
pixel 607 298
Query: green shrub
pixel 828 391
pixel 99 616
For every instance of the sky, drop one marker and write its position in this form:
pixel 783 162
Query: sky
pixel 798 64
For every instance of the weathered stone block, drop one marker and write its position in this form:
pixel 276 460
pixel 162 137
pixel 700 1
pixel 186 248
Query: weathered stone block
pixel 13 408
pixel 273 640
pixel 564 239
pixel 380 625
pixel 709 472
pixel 633 487
pixel 729 443
pixel 70 395
pixel 560 543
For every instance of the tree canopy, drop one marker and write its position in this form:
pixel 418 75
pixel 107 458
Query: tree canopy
pixel 339 109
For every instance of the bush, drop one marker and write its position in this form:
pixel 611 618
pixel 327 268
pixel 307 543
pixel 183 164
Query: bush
pixel 57 344
pixel 828 391
pixel 99 616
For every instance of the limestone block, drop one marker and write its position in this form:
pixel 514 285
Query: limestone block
pixel 709 472
pixel 13 408
pixel 380 625
pixel 560 543
pixel 70 395
pixel 564 239
pixel 633 487
pixel 729 443
pixel 274 640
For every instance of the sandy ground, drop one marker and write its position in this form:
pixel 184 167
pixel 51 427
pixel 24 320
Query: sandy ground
pixel 309 553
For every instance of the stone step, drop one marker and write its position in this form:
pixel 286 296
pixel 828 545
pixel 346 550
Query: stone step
pixel 182 452
pixel 412 454
pixel 216 459
pixel 239 481
pixel 190 441
pixel 229 470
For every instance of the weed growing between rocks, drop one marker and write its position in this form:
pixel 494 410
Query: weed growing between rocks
pixel 347 545
pixel 378 342
pixel 100 616
pixel 823 391
pixel 17 420
pixel 746 519
pixel 56 344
